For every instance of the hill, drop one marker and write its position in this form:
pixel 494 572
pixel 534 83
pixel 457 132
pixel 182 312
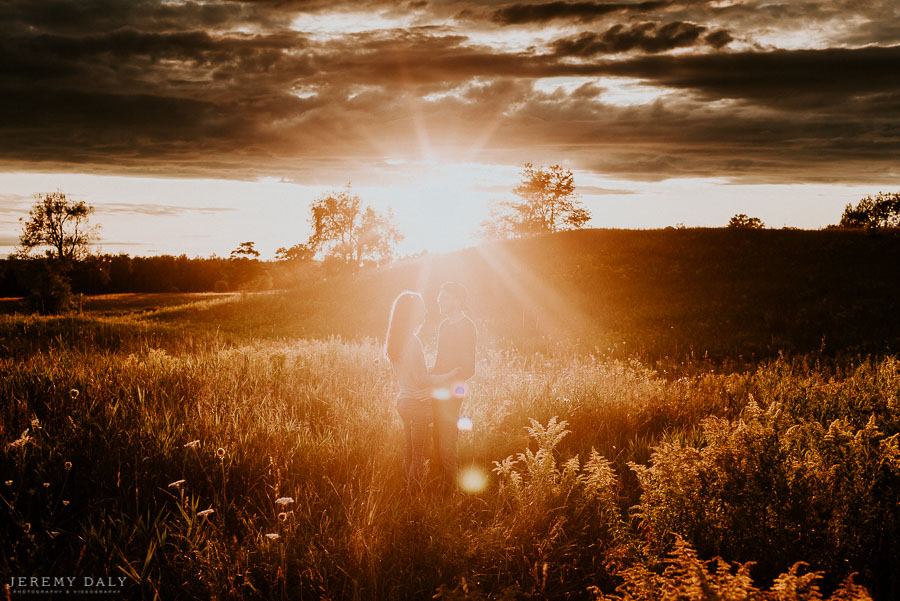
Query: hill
pixel 720 293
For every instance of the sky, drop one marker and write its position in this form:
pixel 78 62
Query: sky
pixel 192 126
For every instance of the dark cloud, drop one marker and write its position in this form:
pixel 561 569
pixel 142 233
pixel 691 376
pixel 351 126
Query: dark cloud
pixel 832 79
pixel 520 14
pixel 719 38
pixel 649 37
pixel 228 89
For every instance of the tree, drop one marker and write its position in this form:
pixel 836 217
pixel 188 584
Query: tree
pixel 548 203
pixel 347 231
pixel 59 223
pixel 872 213
pixel 742 221
pixel 298 252
pixel 245 250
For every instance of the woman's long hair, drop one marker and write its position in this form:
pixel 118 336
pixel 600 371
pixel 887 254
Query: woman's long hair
pixel 407 314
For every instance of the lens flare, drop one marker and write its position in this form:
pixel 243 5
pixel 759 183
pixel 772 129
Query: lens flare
pixel 460 390
pixel 464 424
pixel 441 394
pixel 473 479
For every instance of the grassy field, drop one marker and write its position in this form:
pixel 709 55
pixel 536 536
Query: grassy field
pixel 607 471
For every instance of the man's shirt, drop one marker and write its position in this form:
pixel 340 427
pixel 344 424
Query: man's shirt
pixel 456 348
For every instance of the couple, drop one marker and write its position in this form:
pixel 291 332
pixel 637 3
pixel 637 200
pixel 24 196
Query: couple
pixel 435 394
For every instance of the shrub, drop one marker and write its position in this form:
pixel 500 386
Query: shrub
pixel 742 221
pixel 558 509
pixel 688 578
pixel 778 490
pixel 50 292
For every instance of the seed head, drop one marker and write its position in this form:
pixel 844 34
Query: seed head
pixel 205 512
pixel 220 453
pixel 176 484
pixel 67 465
pixel 284 500
pixel 192 444
pixel 73 394
pixel 273 536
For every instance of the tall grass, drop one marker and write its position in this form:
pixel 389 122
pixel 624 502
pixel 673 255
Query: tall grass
pixel 117 437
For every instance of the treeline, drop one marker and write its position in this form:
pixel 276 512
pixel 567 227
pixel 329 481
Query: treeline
pixel 107 274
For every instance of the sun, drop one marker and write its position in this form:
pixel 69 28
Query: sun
pixel 439 206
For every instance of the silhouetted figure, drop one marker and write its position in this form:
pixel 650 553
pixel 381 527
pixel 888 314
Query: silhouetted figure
pixel 456 359
pixel 404 350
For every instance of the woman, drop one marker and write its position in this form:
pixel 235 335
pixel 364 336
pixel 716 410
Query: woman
pixel 403 349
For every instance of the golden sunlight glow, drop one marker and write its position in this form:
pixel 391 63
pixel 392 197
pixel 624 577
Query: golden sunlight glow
pixel 543 308
pixel 436 206
pixel 511 39
pixel 613 90
pixel 342 23
pixel 473 479
pixel 808 35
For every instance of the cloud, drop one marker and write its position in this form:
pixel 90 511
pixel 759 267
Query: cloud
pixel 600 191
pixel 648 36
pixel 157 210
pixel 228 89
pixel 520 14
pixel 15 204
pixel 833 79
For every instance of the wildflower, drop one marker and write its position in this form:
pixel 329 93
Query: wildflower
pixel 9 482
pixel 21 441
pixel 65 502
pixel 73 394
pixel 220 453
pixel 67 465
pixel 176 484
pixel 192 444
pixel 273 536
pixel 26 527
pixel 205 512
pixel 282 517
pixel 35 423
pixel 284 500
pixel 46 485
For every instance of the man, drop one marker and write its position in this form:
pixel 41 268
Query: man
pixel 455 349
